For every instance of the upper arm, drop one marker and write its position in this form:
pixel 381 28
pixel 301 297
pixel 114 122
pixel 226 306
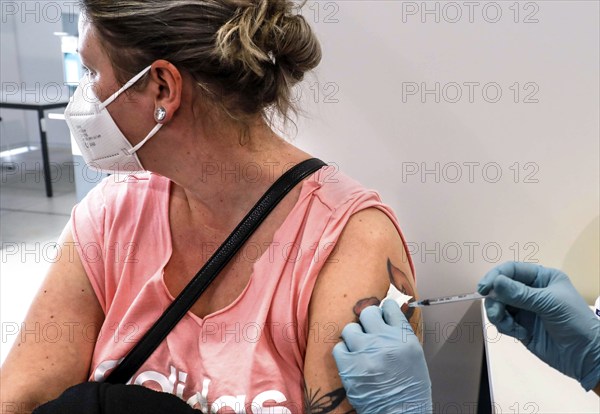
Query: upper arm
pixel 55 344
pixel 369 255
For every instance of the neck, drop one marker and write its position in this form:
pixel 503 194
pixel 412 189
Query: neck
pixel 216 177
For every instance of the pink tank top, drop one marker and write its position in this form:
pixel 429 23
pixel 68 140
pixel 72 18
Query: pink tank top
pixel 245 358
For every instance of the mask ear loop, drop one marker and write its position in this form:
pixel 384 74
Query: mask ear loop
pixel 124 88
pixel 142 142
pixel 114 96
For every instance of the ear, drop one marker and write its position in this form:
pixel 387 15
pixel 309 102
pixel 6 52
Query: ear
pixel 167 88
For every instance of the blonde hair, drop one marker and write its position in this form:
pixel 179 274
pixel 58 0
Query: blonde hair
pixel 245 55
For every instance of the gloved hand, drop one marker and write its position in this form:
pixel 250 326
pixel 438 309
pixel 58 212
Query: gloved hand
pixel 540 307
pixel 383 368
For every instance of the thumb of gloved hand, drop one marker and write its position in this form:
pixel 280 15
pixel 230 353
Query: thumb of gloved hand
pixel 517 294
pixel 518 323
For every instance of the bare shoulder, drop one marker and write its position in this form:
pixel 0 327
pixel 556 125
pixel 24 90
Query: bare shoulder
pixel 368 256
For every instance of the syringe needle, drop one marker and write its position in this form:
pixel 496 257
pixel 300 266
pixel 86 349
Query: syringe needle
pixel 446 299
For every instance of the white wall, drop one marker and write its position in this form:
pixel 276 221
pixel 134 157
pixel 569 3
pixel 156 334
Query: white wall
pixel 549 215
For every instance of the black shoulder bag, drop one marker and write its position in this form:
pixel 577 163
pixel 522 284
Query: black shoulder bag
pixel 112 396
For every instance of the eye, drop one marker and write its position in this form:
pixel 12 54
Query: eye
pixel 88 73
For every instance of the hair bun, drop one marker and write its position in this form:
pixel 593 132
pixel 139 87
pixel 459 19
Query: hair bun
pixel 264 33
pixel 298 49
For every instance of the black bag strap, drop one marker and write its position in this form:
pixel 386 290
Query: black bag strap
pixel 190 294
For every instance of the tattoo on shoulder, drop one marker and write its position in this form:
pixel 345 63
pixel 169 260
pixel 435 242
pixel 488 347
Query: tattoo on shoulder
pixel 315 402
pixel 404 284
pixel 401 281
pixel 363 303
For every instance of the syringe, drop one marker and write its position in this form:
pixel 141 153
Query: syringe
pixel 447 299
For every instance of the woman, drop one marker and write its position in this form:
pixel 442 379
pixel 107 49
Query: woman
pixel 260 338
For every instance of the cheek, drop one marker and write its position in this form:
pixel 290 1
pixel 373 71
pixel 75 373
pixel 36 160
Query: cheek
pixel 133 116
pixel 103 86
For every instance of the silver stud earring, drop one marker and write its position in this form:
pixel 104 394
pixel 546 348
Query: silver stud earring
pixel 160 114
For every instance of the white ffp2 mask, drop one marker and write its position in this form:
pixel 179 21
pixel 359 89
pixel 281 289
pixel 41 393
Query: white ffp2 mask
pixel 103 145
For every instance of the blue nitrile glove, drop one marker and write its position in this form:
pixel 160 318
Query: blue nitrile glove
pixel 382 364
pixel 540 307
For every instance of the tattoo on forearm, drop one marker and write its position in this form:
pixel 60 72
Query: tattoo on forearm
pixel 315 403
